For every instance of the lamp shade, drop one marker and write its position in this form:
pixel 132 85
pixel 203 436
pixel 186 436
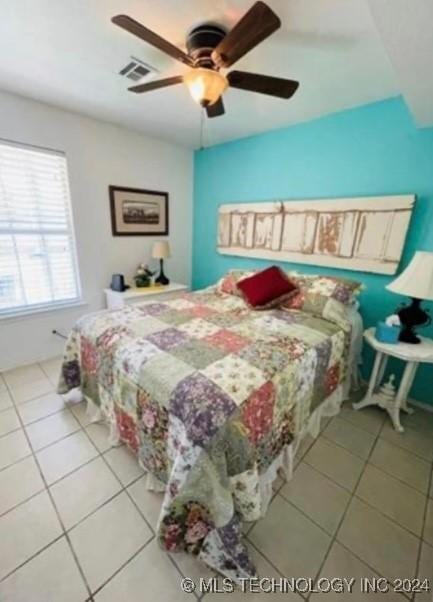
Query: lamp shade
pixel 417 279
pixel 205 85
pixel 160 249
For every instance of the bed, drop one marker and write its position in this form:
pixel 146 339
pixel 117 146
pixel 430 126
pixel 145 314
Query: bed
pixel 213 398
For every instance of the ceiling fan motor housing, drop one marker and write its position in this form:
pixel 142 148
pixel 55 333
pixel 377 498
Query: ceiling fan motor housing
pixel 201 41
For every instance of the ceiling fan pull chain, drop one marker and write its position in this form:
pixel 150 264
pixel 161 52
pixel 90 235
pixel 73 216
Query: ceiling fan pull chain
pixel 202 110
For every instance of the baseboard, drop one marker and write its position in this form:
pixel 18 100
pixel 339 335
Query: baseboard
pixel 420 404
pixel 38 359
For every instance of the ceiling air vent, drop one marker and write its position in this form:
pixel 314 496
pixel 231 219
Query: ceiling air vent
pixel 136 70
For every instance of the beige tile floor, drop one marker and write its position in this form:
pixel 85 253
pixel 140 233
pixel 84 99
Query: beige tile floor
pixel 77 523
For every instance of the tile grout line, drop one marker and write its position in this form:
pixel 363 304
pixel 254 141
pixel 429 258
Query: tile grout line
pixel 385 423
pixel 83 427
pixel 305 596
pixel 125 489
pixel 365 430
pixel 371 464
pixel 40 364
pixel 44 447
pixel 54 507
pixel 409 451
pixel 276 491
pixel 375 570
pixel 122 485
pixel 422 540
pixel 71 472
pixel 69 529
pixel 329 440
pixel 379 511
pixel 122 566
pixel 32 557
pixel 353 493
pixel 31 423
pixel 270 562
pixel 343 516
pixel 405 449
pixel 27 498
pixel 332 536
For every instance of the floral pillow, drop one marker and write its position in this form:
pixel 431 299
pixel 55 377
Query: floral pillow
pixel 328 297
pixel 228 283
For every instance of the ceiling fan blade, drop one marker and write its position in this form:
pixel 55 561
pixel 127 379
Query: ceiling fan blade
pixel 217 109
pixel 263 84
pixel 159 83
pixel 150 37
pixel 256 25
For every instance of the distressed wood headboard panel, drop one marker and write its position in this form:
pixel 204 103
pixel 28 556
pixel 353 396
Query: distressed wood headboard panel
pixel 363 233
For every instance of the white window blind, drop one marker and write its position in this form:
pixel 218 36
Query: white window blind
pixel 38 267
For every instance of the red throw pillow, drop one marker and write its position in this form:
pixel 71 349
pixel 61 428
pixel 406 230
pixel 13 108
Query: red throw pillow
pixel 267 288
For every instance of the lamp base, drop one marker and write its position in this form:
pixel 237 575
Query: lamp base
pixel 411 316
pixel 162 278
pixel 407 335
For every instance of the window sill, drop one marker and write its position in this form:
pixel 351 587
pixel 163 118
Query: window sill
pixel 14 316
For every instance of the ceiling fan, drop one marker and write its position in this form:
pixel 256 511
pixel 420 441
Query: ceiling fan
pixel 209 49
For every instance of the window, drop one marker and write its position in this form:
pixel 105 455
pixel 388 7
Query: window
pixel 38 267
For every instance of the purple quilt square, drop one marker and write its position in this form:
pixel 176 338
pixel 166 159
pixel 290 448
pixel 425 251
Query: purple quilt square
pixel 168 338
pixel 152 309
pixel 292 317
pixel 202 407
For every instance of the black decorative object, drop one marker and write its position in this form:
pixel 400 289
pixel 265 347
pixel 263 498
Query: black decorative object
pixel 161 250
pixel 411 316
pixel 162 278
pixel 118 283
pixel 416 281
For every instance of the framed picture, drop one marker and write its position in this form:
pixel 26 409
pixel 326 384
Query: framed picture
pixel 137 212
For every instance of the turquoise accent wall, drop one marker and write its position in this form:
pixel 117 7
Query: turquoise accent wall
pixel 372 150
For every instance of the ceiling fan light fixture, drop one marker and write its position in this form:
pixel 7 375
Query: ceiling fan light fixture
pixel 205 85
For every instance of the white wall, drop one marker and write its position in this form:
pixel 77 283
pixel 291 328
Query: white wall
pixel 98 154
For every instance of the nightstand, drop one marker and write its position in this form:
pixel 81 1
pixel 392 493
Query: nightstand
pixel 413 355
pixel 115 299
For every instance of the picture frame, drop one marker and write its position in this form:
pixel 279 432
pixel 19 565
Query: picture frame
pixel 138 212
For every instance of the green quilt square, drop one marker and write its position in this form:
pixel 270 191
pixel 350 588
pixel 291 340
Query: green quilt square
pixel 224 320
pixel 197 353
pixel 174 317
pixel 146 325
pixel 269 358
pixel 161 374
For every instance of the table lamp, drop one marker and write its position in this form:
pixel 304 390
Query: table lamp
pixel 161 251
pixel 415 281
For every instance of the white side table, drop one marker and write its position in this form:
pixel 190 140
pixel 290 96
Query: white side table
pixel 413 355
pixel 115 299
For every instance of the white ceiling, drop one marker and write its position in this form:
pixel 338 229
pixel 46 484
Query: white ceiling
pixel 408 39
pixel 68 53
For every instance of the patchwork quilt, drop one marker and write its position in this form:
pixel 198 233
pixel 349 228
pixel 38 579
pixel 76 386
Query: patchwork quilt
pixel 207 393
